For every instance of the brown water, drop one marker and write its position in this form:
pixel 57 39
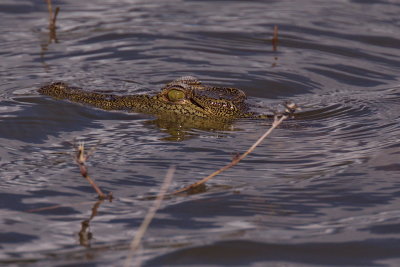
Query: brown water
pixel 323 189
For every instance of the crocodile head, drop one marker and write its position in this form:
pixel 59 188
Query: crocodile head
pixel 188 96
pixel 184 103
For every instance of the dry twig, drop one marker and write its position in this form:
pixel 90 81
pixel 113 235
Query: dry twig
pixel 149 216
pixel 52 21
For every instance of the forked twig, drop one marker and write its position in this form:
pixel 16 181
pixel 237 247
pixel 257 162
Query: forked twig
pixel 149 216
pixel 236 159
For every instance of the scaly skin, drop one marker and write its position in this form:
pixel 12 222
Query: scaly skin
pixel 185 96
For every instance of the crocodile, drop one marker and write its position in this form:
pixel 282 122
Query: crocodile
pixel 185 96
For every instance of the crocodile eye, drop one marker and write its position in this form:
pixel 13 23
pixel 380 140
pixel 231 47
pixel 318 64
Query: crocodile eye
pixel 175 95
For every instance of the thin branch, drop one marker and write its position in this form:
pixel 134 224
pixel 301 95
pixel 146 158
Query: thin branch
pixel 149 216
pixel 236 160
pixel 50 8
pixel 52 21
pixel 55 17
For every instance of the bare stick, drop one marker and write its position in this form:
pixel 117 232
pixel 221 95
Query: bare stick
pixel 80 159
pixel 236 160
pixel 52 21
pixel 149 216
pixel 50 8
pixel 55 16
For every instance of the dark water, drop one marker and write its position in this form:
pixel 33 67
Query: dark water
pixel 323 189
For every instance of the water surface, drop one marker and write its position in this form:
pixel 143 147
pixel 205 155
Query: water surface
pixel 323 189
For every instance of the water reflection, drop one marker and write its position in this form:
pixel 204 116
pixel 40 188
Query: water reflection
pixel 85 235
pixel 182 128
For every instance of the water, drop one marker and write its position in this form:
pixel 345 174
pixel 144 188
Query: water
pixel 323 189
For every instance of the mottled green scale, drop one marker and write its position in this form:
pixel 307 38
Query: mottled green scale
pixel 185 96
